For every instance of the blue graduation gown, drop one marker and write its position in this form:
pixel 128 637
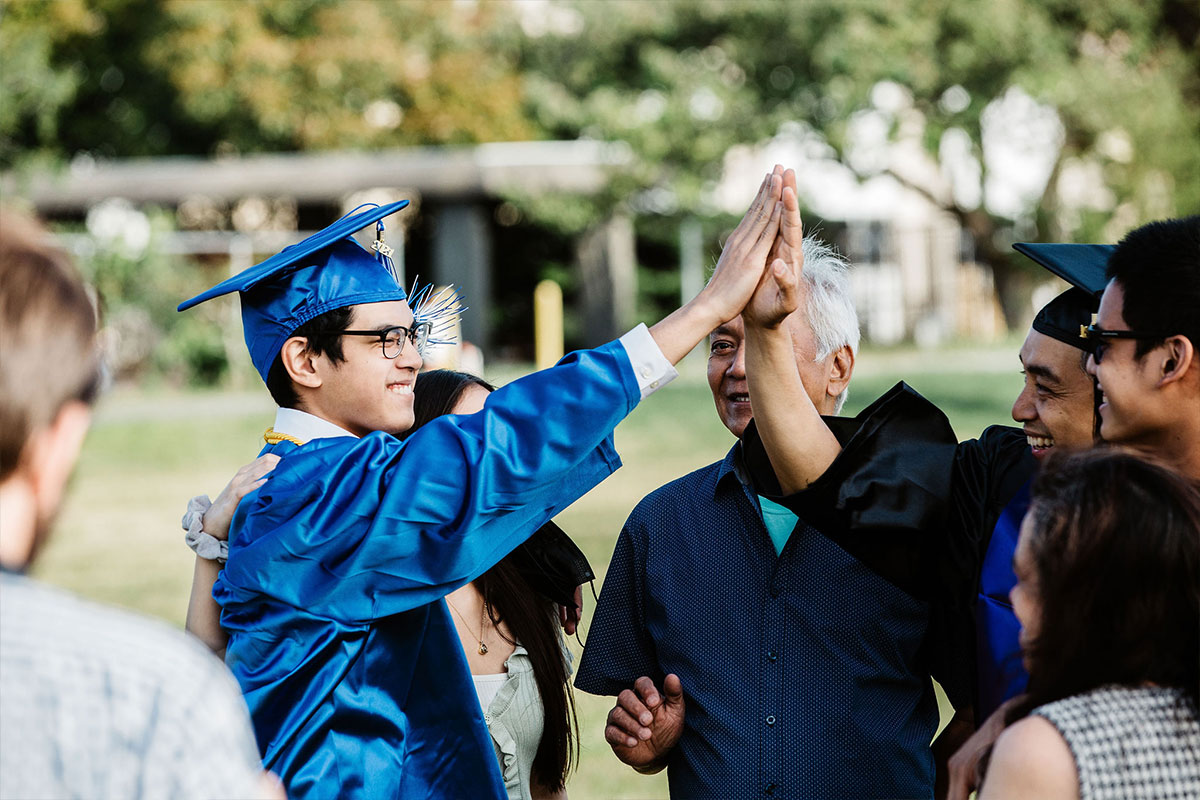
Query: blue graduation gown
pixel 1002 674
pixel 338 566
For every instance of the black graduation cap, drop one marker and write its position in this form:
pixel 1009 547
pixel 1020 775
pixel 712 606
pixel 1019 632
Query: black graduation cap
pixel 1065 317
pixel 1080 265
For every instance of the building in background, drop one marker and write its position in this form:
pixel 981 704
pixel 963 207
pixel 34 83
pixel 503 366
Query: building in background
pixel 914 277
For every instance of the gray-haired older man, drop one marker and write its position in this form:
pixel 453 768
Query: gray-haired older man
pixel 801 649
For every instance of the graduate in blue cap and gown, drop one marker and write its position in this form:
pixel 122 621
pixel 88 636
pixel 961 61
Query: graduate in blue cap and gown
pixel 337 565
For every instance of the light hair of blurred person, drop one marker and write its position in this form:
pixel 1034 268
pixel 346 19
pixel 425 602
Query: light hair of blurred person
pixel 1108 596
pixel 94 702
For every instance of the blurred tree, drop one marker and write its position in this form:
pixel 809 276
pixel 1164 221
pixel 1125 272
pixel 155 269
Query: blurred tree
pixel 1108 89
pixel 321 74
pixel 120 78
pixel 78 82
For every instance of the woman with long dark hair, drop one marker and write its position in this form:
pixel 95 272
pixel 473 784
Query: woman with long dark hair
pixel 1108 595
pixel 511 637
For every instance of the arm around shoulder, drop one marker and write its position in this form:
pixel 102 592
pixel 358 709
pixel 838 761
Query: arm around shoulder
pixel 1031 760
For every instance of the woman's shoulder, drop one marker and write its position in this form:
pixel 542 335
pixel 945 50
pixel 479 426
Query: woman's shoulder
pixel 1031 759
pixel 1130 739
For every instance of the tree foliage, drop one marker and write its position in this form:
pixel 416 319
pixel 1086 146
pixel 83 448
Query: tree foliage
pixel 119 78
pixel 684 81
pixel 1117 85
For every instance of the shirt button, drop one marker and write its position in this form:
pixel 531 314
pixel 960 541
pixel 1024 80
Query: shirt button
pixel 774 591
pixel 772 656
pixel 645 372
pixel 654 385
pixel 771 787
pixel 770 719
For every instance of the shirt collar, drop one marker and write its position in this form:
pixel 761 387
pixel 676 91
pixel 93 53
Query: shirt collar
pixel 306 427
pixel 732 468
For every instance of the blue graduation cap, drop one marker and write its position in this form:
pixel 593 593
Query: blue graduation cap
pixel 1080 265
pixel 326 271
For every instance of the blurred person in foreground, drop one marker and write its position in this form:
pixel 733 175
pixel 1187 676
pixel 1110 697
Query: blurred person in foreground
pixel 94 702
pixel 1108 594
pixel 808 673
pixel 332 592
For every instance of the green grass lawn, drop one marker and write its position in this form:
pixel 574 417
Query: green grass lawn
pixel 118 539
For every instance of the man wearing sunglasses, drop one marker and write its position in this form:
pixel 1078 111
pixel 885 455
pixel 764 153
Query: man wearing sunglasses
pixel 1147 335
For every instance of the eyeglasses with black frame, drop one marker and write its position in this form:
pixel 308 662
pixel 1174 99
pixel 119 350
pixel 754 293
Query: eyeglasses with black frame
pixel 1102 338
pixel 393 339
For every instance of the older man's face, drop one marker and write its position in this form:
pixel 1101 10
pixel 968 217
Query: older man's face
pixel 727 371
pixel 1056 407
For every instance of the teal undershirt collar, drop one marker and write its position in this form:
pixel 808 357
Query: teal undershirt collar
pixel 779 521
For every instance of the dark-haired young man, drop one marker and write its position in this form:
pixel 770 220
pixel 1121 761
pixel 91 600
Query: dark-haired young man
pixel 1147 333
pixel 337 565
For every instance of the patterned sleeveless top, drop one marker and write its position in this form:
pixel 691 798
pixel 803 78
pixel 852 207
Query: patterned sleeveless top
pixel 1131 743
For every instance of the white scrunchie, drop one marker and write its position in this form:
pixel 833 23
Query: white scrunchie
pixel 206 545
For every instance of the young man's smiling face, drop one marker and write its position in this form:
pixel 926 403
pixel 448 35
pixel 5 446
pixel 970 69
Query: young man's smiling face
pixel 1056 406
pixel 368 392
pixel 1129 411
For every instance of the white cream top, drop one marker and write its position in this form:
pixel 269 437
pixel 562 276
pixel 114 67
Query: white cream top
pixel 487 686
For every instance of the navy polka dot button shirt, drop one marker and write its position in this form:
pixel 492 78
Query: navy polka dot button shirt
pixel 800 671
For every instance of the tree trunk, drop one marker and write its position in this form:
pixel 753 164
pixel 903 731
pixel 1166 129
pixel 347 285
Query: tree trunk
pixel 1013 286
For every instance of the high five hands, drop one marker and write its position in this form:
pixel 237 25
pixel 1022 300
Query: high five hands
pixel 758 276
pixel 758 273
pixel 780 290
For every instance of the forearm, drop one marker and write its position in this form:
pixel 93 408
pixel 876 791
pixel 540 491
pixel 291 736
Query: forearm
pixel 681 330
pixel 798 442
pixel 203 614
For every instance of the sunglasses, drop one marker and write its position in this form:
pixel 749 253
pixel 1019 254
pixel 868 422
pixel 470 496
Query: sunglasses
pixel 1102 338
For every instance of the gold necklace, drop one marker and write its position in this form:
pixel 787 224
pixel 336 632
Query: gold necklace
pixel 483 648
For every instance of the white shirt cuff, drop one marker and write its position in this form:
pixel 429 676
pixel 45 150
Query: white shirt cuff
pixel 650 366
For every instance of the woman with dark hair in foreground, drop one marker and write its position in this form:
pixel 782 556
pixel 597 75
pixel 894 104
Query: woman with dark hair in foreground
pixel 1108 595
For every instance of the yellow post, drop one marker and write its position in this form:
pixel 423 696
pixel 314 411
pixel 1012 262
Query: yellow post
pixel 547 323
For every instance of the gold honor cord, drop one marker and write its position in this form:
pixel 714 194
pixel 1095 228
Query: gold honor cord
pixel 272 436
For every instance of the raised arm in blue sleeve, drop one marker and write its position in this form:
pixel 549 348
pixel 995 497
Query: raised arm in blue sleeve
pixel 358 529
